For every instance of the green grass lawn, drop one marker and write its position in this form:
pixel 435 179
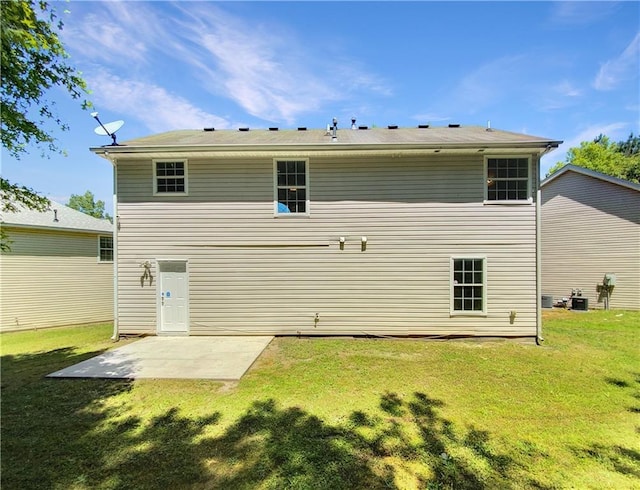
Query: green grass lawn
pixel 336 414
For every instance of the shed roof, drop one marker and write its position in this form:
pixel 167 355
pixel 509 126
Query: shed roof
pixel 447 137
pixel 590 173
pixel 68 219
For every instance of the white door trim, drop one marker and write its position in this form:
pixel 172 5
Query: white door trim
pixel 160 297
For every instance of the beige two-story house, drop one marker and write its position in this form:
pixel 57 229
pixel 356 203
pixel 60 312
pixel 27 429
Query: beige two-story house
pixel 430 231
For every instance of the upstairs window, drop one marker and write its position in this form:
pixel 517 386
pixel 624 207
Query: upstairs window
pixel 468 286
pixel 105 249
pixel 507 179
pixel 170 177
pixel 291 192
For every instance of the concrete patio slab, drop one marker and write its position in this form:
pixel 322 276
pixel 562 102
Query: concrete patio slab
pixel 219 358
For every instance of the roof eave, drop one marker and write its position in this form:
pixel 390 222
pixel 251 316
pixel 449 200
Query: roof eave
pixel 536 146
pixel 590 173
pixel 56 228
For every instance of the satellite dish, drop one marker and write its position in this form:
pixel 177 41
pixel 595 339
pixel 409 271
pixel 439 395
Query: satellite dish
pixel 108 129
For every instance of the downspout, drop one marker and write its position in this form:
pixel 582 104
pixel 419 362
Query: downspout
pixel 116 226
pixel 539 338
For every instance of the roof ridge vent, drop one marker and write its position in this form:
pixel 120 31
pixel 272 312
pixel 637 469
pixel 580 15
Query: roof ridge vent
pixel 209 129
pixel 423 126
pixel 302 128
pixel 392 126
pixel 273 129
pixel 454 125
pixel 243 129
pixel 363 127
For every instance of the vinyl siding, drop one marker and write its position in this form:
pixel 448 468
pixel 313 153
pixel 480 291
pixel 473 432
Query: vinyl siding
pixel 253 273
pixel 590 227
pixel 53 278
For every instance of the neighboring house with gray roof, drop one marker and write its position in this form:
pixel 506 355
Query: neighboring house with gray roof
pixel 58 271
pixel 382 231
pixel 591 227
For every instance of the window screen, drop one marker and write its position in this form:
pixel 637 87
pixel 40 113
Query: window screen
pixel 291 186
pixel 468 285
pixel 170 177
pixel 507 179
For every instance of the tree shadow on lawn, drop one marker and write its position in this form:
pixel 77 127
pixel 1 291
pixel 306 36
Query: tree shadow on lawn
pixel 42 419
pixel 621 459
pixel 75 433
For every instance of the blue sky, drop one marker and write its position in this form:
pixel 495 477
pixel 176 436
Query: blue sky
pixel 562 70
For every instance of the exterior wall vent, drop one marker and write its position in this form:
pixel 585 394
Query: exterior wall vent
pixel 393 126
pixel 209 129
pixel 243 129
pixel 423 126
pixel 454 125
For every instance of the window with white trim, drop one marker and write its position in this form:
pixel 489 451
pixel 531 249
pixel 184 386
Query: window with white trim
pixel 170 177
pixel 291 187
pixel 508 179
pixel 468 285
pixel 105 249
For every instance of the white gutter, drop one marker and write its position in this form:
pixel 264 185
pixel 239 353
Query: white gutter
pixel 56 228
pixel 116 225
pixel 539 338
pixel 540 147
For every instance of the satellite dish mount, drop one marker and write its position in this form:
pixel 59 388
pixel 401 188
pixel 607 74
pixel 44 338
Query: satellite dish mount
pixel 108 129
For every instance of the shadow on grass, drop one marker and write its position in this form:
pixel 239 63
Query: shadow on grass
pixel 80 433
pixel 623 460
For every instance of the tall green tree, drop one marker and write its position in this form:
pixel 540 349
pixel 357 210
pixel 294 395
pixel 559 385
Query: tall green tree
pixel 87 204
pixel 33 61
pixel 620 159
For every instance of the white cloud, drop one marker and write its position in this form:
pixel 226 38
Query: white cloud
pixel 117 33
pixel 558 96
pixel 270 71
pixel 612 130
pixel 581 12
pixel 490 83
pixel 566 89
pixel 265 69
pixel 158 109
pixel 622 68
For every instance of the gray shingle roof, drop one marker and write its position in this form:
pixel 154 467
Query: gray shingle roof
pixel 67 219
pixel 446 137
pixel 590 173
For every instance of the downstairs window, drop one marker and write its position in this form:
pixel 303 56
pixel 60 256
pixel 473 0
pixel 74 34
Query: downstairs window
pixel 468 286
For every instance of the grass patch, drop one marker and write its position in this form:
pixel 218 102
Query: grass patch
pixel 336 413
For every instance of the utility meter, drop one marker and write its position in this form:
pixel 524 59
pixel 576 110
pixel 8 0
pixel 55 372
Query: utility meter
pixel 609 279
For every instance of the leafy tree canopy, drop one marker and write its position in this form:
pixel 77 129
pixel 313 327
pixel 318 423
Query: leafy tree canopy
pixel 88 205
pixel 620 159
pixel 33 61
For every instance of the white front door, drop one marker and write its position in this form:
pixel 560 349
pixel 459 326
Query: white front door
pixel 173 312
